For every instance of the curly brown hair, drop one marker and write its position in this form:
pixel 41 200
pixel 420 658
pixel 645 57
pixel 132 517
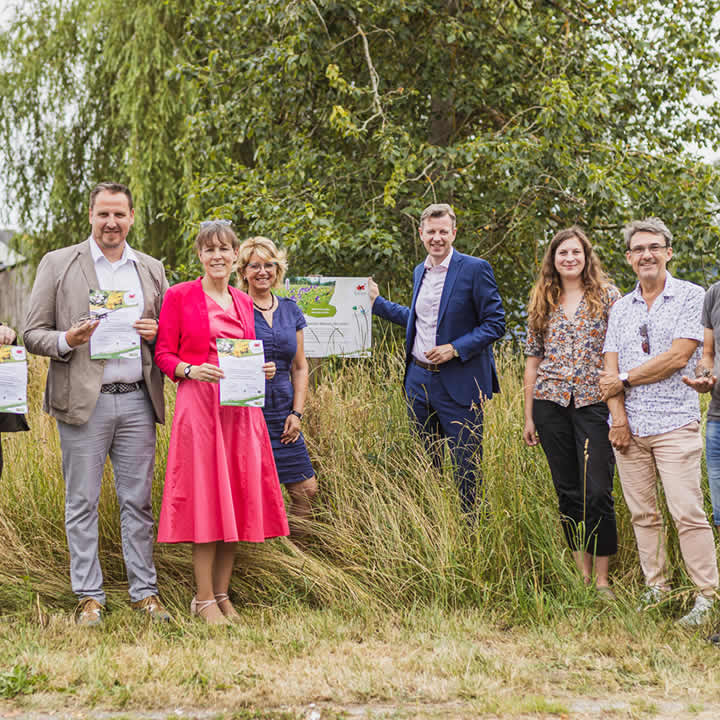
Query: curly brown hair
pixel 545 294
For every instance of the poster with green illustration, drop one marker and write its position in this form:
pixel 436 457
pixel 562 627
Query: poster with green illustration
pixel 337 312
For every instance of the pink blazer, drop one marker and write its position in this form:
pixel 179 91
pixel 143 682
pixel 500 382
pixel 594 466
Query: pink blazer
pixel 184 328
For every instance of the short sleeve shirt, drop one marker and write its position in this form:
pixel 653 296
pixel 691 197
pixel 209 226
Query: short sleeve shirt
pixel 571 352
pixel 676 313
pixel 711 320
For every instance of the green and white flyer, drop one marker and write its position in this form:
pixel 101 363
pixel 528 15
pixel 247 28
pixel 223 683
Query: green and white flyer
pixel 244 381
pixel 115 337
pixel 337 312
pixel 13 379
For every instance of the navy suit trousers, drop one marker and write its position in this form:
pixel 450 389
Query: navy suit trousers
pixel 435 415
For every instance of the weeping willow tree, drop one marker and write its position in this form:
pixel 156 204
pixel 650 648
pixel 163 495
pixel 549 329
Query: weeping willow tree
pixel 86 96
pixel 328 126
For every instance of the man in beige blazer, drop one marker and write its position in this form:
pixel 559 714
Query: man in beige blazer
pixel 102 407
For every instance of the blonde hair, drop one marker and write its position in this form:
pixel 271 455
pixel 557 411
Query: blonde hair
pixel 545 294
pixel 267 250
pixel 437 210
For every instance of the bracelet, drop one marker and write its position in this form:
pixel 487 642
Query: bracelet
pixel 297 414
pixel 619 426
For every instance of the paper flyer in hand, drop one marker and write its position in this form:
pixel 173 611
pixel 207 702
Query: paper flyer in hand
pixel 115 337
pixel 244 381
pixel 13 379
pixel 337 312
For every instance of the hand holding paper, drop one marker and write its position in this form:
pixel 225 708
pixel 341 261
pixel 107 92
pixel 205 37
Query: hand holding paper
pixel 243 362
pixel 7 335
pixel 147 328
pixel 116 336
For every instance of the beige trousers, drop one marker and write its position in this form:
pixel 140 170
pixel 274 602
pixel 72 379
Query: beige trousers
pixel 676 457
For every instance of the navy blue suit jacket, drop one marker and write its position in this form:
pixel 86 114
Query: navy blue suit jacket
pixel 471 317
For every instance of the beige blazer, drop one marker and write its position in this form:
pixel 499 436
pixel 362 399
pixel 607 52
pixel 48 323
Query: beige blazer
pixel 60 293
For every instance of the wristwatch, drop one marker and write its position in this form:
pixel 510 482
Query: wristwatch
pixel 297 414
pixel 455 352
pixel 624 378
pixel 187 371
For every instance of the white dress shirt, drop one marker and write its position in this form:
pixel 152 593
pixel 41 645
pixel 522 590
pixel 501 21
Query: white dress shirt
pixel 120 275
pixel 427 306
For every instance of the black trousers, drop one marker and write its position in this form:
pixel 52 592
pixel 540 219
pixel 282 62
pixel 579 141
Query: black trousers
pixel 582 465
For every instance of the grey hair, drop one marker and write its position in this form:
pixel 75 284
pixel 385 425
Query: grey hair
pixel 437 210
pixel 652 225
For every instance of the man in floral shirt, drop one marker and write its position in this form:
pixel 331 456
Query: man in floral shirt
pixel 652 342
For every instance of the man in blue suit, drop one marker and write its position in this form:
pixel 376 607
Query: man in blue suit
pixel 455 316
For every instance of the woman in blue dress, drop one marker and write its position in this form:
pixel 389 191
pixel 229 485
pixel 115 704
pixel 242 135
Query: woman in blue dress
pixel 279 323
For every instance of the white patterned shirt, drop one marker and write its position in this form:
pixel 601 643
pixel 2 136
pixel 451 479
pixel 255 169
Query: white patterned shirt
pixel 668 404
pixel 427 306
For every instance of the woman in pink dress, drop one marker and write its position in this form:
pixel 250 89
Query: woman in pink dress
pixel 221 485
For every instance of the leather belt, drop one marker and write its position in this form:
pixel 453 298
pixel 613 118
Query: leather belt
pixel 426 366
pixel 121 388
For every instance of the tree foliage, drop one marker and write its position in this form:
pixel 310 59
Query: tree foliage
pixel 329 126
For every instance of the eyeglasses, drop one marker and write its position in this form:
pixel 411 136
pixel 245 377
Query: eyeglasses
pixel 208 223
pixel 267 267
pixel 91 316
pixel 645 337
pixel 640 250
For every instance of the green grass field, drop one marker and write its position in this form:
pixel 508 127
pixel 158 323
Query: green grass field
pixel 392 600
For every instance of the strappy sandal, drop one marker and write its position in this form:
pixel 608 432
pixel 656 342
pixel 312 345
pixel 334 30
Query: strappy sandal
pixel 197 606
pixel 233 615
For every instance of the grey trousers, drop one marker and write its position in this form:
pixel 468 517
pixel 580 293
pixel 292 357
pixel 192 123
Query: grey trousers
pixel 123 426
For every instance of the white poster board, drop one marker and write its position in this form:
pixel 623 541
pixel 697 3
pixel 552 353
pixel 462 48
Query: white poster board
pixel 337 312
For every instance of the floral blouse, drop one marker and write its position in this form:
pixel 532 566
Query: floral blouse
pixel 572 354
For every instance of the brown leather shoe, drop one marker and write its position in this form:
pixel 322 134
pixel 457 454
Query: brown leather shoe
pixel 153 608
pixel 89 612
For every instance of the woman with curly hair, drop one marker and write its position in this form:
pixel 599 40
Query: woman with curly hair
pixel 567 320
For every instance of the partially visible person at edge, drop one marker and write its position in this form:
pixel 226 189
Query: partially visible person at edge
pixel 9 422
pixel 279 323
pixel 454 318
pixel 706 381
pixel 567 319
pixel 102 407
pixel 651 343
pixel 221 486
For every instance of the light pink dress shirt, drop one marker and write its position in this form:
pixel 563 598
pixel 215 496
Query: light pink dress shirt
pixel 427 306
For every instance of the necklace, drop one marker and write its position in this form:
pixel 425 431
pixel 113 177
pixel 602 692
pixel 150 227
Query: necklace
pixel 265 309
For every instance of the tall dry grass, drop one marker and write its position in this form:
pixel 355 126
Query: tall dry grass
pixel 388 533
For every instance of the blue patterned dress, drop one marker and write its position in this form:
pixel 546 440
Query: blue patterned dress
pixel 280 345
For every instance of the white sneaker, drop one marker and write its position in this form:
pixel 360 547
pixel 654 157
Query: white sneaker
pixel 700 612
pixel 652 596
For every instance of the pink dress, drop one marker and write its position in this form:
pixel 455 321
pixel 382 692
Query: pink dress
pixel 220 482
